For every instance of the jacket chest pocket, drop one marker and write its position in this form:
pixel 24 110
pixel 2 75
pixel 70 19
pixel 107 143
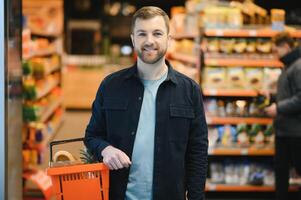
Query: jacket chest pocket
pixel 116 110
pixel 180 119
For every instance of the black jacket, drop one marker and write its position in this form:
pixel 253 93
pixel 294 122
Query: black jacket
pixel 180 157
pixel 288 119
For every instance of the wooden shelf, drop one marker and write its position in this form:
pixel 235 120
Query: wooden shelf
pixel 50 134
pixel 184 58
pixel 255 32
pixel 230 92
pixel 238 120
pixel 50 86
pixel 180 36
pixel 251 151
pixel 51 108
pixel 242 188
pixel 243 62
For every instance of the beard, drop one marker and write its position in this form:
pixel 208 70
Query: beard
pixel 151 54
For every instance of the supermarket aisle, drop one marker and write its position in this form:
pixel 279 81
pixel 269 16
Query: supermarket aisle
pixel 74 126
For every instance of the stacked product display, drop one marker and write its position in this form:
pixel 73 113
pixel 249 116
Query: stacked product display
pixel 184 51
pixel 42 95
pixel 237 67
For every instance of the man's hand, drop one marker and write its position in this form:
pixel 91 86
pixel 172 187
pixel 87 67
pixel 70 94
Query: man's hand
pixel 115 158
pixel 271 110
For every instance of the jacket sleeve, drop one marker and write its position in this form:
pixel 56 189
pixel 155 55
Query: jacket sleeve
pixel 95 135
pixel 292 105
pixel 197 151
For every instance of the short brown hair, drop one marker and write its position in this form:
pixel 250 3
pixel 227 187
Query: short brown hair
pixel 149 12
pixel 284 38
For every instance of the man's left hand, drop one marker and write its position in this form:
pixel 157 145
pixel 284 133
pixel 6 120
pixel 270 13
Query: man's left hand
pixel 271 110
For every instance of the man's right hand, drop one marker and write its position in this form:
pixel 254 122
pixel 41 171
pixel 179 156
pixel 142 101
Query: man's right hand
pixel 115 158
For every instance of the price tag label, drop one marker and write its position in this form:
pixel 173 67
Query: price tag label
pixel 211 187
pixel 213 92
pixel 219 32
pixel 253 33
pixel 42 180
pixel 244 152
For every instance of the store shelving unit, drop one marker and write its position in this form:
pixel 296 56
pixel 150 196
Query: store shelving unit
pixel 238 120
pixel 229 61
pixel 43 110
pixel 232 62
pixel 242 151
pixel 241 188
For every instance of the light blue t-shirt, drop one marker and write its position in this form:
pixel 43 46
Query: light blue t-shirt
pixel 140 183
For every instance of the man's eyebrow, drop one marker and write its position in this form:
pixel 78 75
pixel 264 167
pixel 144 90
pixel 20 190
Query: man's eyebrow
pixel 140 30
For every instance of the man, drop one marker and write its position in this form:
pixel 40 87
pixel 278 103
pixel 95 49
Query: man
pixel 148 124
pixel 287 112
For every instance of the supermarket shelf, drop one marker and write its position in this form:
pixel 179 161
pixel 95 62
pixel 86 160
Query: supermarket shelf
pixel 47 89
pixel 259 32
pixel 50 110
pixel 243 62
pixel 238 120
pixel 49 135
pixel 252 151
pixel 180 36
pixel 185 58
pixel 44 34
pixel 230 92
pixel 51 69
pixel 242 188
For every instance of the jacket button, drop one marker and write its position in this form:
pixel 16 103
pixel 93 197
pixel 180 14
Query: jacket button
pixel 140 98
pixel 133 133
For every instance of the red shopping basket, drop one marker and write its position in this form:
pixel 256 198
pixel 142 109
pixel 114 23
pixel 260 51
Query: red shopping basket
pixel 79 182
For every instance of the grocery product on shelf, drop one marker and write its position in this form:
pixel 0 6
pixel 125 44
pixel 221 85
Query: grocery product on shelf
pixel 231 172
pixel 241 136
pixel 42 96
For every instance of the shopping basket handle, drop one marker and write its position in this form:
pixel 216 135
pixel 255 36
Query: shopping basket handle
pixel 57 142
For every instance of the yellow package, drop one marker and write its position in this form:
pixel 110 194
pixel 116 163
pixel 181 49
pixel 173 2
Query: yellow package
pixel 254 78
pixel 236 77
pixel 214 77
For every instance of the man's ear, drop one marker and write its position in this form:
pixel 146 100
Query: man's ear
pixel 132 39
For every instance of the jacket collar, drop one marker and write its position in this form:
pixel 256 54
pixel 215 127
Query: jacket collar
pixel 171 75
pixel 291 57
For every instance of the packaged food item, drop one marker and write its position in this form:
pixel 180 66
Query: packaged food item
pixel 212 137
pixel 230 109
pixel 236 77
pixel 211 107
pixel 251 46
pixel 240 46
pixel 234 18
pixel 241 108
pixel 269 135
pixel 213 45
pixel 271 76
pixel 227 45
pixel 278 19
pixel 264 46
pixel 242 135
pixel 226 135
pixel 221 112
pixel 217 173
pixel 214 77
pixel 254 78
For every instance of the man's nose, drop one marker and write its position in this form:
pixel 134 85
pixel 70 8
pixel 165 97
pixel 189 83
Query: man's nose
pixel 149 39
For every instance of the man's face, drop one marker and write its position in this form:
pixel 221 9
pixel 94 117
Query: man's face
pixel 150 39
pixel 282 50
